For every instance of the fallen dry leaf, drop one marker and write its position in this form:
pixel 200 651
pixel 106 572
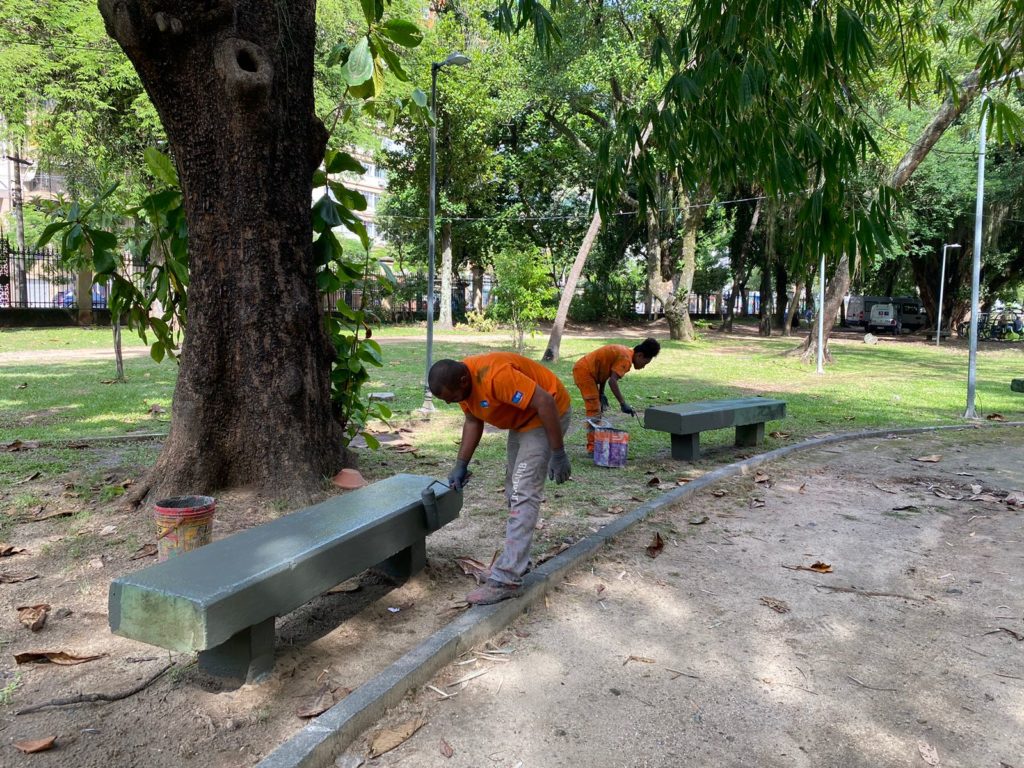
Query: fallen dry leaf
pixel 473 567
pixel 15 577
pixel 156 409
pixel 545 556
pixel 779 435
pixel 779 606
pixel 996 417
pixel 816 567
pixel 20 445
pixel 802 488
pixel 600 588
pixel 884 489
pixel 976 488
pixel 387 739
pixel 33 616
pixel 928 753
pixel 616 510
pixel 755 503
pixel 698 520
pixel 656 546
pixel 344 588
pixel 986 497
pixel 932 458
pixel 49 515
pixel 654 481
pixel 325 698
pixel 446 749
pixel 6 550
pixel 96 562
pixel 23 385
pixel 761 477
pixel 146 550
pixel 63 658
pixel 1015 498
pixel 719 492
pixel 682 480
pixel 35 745
pixel 943 495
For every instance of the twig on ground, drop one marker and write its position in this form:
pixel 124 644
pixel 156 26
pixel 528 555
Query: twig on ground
pixel 84 698
pixel 870 687
pixel 676 673
pixel 868 593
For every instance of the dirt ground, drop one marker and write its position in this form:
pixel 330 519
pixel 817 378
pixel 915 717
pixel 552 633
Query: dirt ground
pixel 754 684
pixel 725 650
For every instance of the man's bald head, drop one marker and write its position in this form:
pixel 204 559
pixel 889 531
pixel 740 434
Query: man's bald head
pixel 450 380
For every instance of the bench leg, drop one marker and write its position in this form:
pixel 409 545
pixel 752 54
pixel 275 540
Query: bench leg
pixel 750 434
pixel 686 447
pixel 248 655
pixel 403 566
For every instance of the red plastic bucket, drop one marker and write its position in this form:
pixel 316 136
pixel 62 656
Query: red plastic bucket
pixel 183 523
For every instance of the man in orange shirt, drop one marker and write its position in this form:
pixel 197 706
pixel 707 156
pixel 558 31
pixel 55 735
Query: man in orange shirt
pixel 510 392
pixel 609 364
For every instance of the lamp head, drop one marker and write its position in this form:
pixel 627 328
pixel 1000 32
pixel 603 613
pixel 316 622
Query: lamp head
pixel 457 59
pixel 953 245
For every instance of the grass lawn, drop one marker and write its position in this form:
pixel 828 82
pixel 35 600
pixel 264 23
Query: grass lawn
pixel 31 339
pixel 888 385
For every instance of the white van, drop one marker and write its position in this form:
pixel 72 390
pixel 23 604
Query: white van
pixel 885 317
pixel 858 308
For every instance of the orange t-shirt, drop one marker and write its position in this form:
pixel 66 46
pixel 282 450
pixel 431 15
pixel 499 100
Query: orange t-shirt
pixel 503 386
pixel 604 361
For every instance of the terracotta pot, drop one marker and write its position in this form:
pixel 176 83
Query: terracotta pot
pixel 349 479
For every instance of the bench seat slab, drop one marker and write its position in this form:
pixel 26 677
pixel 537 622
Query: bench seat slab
pixel 685 421
pixel 204 598
pixel 1017 385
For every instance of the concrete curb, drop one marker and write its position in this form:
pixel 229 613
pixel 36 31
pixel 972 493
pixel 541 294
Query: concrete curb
pixel 316 745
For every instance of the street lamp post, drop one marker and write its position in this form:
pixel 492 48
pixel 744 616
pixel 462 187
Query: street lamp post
pixel 972 357
pixel 458 60
pixel 942 288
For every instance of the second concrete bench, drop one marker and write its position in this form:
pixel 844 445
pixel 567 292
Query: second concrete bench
pixel 686 421
pixel 221 599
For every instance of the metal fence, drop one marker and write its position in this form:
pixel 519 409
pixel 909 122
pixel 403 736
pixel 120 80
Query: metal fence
pixel 31 279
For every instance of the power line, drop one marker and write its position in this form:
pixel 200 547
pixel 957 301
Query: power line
pixel 109 49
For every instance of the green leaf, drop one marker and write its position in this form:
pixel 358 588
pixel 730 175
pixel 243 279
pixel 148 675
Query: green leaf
pixel 369 10
pixel 403 32
pixel 338 162
pixel 157 351
pixel 419 97
pixel 103 261
pixel 161 167
pixel 391 59
pixel 325 214
pixel 338 53
pixel 359 67
pixel 350 198
pixel 50 231
pixel 371 442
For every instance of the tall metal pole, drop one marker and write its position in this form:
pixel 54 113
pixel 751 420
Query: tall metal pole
pixel 942 290
pixel 428 398
pixel 976 267
pixel 821 315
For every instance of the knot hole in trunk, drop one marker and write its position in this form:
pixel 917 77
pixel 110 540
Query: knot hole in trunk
pixel 246 71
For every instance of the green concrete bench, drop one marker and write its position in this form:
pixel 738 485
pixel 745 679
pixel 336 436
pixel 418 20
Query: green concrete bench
pixel 686 421
pixel 221 599
pixel 1017 385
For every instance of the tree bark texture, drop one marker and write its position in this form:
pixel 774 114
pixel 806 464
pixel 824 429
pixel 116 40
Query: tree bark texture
pixel 444 320
pixel 569 289
pixel 791 309
pixel 478 288
pixel 675 299
pixel 233 85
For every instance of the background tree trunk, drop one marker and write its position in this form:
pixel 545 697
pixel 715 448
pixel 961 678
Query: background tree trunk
pixel 444 321
pixel 233 85
pixel 569 289
pixel 835 291
pixel 477 300
pixel 792 308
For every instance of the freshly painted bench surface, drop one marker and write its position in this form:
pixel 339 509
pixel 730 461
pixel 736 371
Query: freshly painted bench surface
pixel 1017 385
pixel 221 599
pixel 686 421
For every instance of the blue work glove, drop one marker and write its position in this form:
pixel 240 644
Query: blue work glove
pixel 459 476
pixel 628 409
pixel 604 402
pixel 559 468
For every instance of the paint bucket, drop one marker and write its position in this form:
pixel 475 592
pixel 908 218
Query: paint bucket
pixel 610 444
pixel 183 523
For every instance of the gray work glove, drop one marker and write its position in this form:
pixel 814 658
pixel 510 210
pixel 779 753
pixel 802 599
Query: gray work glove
pixel 459 476
pixel 628 409
pixel 604 402
pixel 559 468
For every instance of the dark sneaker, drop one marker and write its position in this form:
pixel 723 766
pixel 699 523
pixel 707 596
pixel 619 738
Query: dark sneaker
pixel 492 592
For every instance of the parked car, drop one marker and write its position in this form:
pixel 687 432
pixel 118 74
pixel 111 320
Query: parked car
pixel 885 317
pixel 911 314
pixel 858 309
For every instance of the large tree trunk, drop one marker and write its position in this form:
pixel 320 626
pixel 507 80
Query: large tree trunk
pixel 477 300
pixel 569 289
pixel 691 226
pixel 444 320
pixel 791 310
pixel 835 291
pixel 233 85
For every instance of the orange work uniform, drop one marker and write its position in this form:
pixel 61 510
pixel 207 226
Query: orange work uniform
pixel 503 386
pixel 593 370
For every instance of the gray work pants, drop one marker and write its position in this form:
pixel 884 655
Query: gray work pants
pixel 525 473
